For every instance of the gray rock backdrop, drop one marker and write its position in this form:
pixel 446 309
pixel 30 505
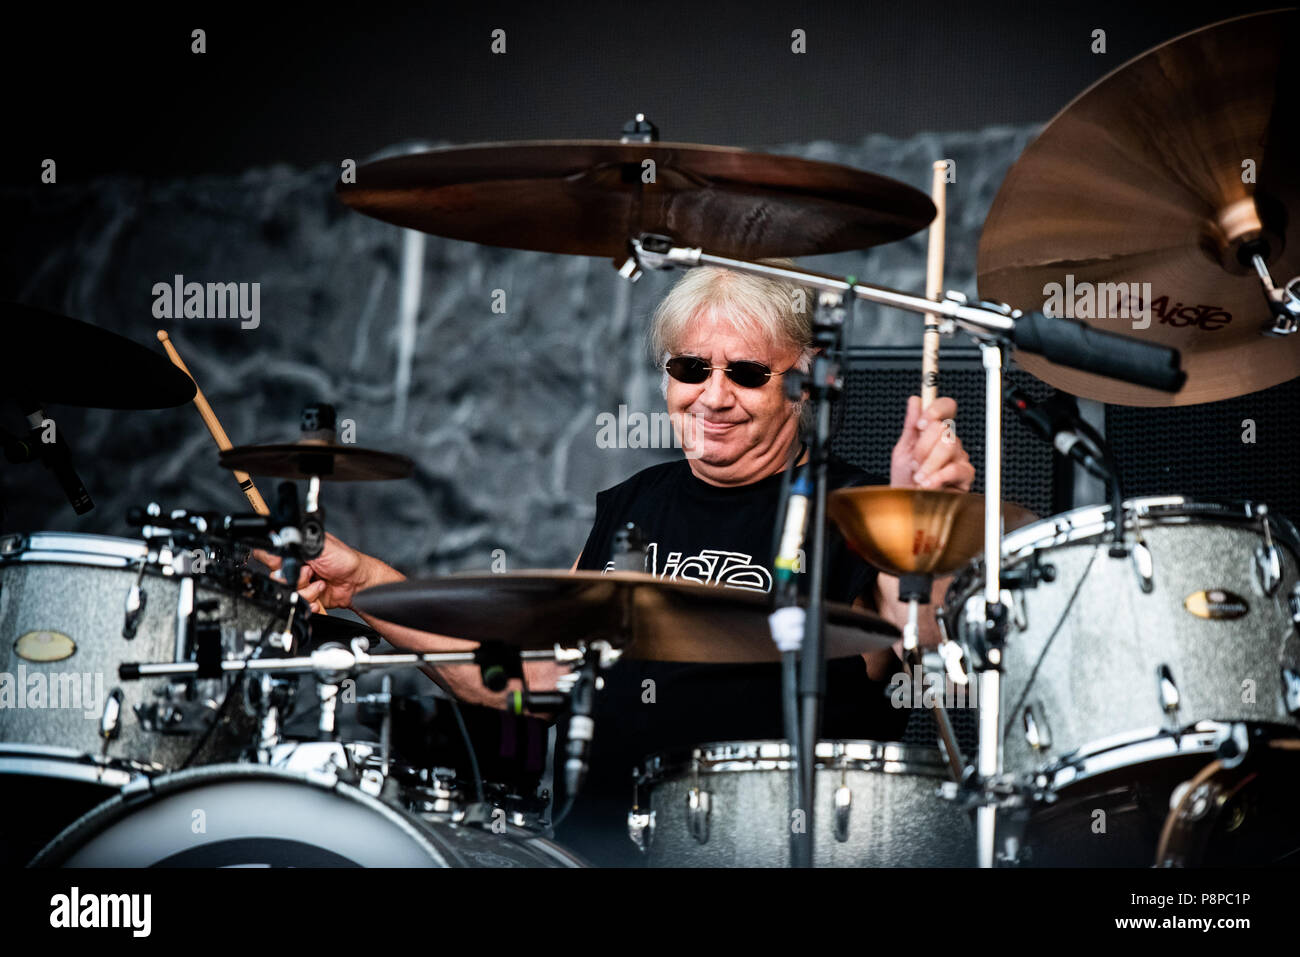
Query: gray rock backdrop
pixel 499 410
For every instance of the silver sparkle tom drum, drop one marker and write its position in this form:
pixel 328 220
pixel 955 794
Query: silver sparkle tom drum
pixel 246 815
pixel 726 805
pixel 1198 623
pixel 1124 677
pixel 63 609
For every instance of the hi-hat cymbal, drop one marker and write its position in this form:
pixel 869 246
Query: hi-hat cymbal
pixel 651 619
pixel 328 461
pixel 1158 174
pixel 51 358
pixel 905 531
pixel 589 197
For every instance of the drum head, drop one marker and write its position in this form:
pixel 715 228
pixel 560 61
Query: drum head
pixel 243 816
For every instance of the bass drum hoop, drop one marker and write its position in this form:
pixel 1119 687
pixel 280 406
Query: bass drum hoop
pixel 138 796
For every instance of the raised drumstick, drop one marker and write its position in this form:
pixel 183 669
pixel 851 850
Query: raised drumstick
pixel 933 284
pixel 214 427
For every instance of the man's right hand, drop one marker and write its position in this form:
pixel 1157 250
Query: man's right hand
pixel 332 578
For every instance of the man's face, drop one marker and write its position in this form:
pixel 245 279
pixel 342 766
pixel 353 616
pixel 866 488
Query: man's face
pixel 734 435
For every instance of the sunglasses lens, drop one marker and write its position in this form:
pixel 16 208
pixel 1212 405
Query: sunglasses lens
pixel 689 369
pixel 748 375
pixel 694 370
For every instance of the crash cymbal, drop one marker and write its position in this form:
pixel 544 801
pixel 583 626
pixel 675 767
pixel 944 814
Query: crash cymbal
pixel 588 197
pixel 905 531
pixel 50 358
pixel 1158 174
pixel 659 620
pixel 330 461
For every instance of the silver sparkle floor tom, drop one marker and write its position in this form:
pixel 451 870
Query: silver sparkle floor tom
pixel 1122 676
pixel 246 815
pixel 726 805
pixel 63 607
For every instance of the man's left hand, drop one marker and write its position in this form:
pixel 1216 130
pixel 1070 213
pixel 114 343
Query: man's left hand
pixel 928 454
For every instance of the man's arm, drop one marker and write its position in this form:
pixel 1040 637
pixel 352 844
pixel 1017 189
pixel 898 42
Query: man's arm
pixel 340 572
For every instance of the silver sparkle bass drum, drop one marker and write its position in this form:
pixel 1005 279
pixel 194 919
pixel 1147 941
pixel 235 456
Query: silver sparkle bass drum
pixel 246 815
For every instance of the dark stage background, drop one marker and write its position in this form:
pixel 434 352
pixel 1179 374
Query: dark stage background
pixel 221 166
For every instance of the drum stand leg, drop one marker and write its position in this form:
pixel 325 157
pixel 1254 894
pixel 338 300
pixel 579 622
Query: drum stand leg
pixel 995 618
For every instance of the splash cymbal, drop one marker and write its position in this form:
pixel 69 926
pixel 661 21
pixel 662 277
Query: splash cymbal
pixel 328 461
pixel 904 531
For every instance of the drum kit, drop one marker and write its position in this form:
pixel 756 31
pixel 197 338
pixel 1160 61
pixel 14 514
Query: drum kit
pixel 1136 665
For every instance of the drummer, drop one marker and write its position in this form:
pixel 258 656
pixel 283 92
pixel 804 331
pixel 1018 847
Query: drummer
pixel 724 340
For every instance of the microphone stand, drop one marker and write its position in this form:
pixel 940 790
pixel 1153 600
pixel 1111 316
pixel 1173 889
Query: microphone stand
pixel 824 384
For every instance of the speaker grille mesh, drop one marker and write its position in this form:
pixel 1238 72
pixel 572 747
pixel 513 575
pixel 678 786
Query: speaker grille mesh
pixel 875 396
pixel 1197 450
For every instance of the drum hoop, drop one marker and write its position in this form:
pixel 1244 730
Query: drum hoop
pixel 1128 750
pixel 725 757
pixel 146 791
pixel 1089 522
pixel 67 764
pixel 71 548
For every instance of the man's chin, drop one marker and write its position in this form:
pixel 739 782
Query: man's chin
pixel 716 455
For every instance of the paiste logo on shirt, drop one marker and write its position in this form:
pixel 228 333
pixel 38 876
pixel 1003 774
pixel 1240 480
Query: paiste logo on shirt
pixel 711 566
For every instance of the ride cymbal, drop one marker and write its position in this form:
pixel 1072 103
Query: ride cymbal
pixel 1159 174
pixel 589 197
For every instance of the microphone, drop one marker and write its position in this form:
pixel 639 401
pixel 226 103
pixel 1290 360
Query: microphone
pixel 56 457
pixel 792 534
pixel 582 725
pixel 285 520
pixel 1054 419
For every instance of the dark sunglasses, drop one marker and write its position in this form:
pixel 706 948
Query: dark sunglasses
pixel 693 370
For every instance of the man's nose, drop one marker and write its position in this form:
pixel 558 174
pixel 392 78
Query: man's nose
pixel 718 392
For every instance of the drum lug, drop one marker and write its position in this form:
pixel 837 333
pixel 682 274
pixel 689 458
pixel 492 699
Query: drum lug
pixel 1291 691
pixel 1167 688
pixel 136 601
pixel 641 828
pixel 1268 566
pixel 1144 565
pixel 110 722
pixel 697 814
pixel 843 805
pixel 1268 563
pixel 1037 734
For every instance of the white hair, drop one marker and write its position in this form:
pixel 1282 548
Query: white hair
pixel 774 311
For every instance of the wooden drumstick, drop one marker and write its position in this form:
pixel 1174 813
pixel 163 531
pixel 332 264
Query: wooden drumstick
pixel 934 284
pixel 214 427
